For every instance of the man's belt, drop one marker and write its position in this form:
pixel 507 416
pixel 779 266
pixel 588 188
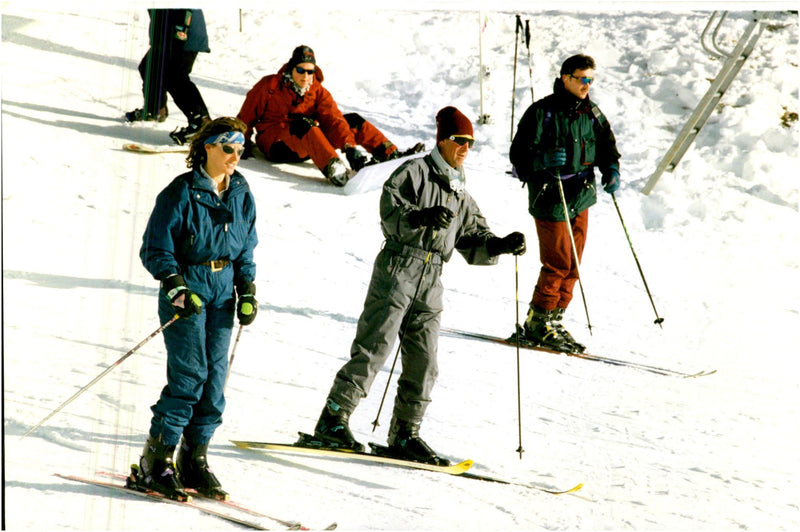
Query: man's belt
pixel 411 251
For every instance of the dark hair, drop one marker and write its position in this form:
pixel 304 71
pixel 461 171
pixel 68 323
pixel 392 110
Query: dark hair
pixel 197 153
pixel 577 62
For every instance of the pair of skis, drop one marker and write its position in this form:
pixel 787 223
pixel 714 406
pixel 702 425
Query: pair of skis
pixel 379 455
pixel 511 341
pixel 226 509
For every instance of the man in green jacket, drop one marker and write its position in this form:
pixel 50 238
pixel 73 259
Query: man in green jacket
pixel 426 214
pixel 562 137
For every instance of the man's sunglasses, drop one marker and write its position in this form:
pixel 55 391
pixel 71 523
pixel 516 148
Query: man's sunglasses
pixel 229 150
pixel 301 70
pixel 584 81
pixel 462 139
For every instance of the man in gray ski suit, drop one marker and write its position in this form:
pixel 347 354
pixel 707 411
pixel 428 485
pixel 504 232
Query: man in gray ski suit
pixel 425 214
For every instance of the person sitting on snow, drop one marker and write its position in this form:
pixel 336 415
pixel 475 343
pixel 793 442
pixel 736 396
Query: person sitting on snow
pixel 295 118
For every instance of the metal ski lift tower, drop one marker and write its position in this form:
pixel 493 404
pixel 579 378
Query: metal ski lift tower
pixel 734 61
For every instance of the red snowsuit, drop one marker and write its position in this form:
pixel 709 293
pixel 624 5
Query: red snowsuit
pixel 271 106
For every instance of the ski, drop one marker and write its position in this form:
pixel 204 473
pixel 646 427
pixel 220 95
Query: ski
pixel 372 176
pixel 551 491
pixel 154 496
pixel 586 356
pixel 138 147
pixel 454 469
pixel 290 525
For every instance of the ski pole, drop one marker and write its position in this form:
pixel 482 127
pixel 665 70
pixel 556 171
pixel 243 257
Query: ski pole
pixel 528 46
pixel 520 450
pixel 514 85
pixel 658 320
pixel 376 424
pixel 233 354
pixel 103 374
pixel 574 248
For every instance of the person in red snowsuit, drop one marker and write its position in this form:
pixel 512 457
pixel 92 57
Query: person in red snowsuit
pixel 295 118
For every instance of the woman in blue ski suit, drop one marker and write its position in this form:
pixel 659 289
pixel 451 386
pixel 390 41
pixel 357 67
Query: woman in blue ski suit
pixel 199 243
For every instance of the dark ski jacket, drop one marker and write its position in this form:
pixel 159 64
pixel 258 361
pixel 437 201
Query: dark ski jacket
pixel 562 120
pixel 190 224
pixel 188 25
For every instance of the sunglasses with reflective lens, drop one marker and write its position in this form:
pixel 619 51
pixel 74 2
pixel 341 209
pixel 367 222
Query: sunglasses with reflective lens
pixel 462 139
pixel 301 70
pixel 584 81
pixel 229 150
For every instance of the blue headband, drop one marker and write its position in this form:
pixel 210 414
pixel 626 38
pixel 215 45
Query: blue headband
pixel 229 137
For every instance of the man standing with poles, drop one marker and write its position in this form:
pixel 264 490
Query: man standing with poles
pixel 426 214
pixel 560 140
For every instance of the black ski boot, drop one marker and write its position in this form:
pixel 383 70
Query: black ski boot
pixel 140 115
pixel 333 428
pixel 184 134
pixel 555 322
pixel 539 330
pixel 156 471
pixel 416 148
pixel 194 472
pixel 405 443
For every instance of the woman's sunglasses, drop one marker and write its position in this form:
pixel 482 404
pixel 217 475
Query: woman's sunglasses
pixel 230 150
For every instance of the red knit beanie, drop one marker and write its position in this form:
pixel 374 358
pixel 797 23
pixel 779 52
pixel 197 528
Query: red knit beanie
pixel 451 121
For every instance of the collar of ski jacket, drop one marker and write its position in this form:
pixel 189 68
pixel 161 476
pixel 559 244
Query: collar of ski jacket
pixel 226 182
pixel 568 101
pixel 200 180
pixel 453 176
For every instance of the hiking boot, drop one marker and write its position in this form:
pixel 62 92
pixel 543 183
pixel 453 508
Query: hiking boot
pixel 555 322
pixel 139 115
pixel 539 330
pixel 193 471
pixel 337 173
pixel 405 443
pixel 156 471
pixel 333 428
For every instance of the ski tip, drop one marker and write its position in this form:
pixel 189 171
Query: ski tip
pixel 575 488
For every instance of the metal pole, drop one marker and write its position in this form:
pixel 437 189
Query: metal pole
pixel 233 354
pixel 528 46
pixel 520 450
pixel 375 423
pixel 514 85
pixel 574 248
pixel 103 374
pixel 659 320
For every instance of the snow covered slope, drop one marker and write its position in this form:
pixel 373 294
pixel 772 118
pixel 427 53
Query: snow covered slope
pixel 718 240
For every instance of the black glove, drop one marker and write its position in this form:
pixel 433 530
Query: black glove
pixel 248 149
pixel 356 159
pixel 555 158
pixel 513 243
pixel 184 300
pixel 438 217
pixel 300 125
pixel 246 306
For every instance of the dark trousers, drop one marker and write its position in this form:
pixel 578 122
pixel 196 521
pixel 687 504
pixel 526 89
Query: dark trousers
pixel 171 72
pixel 559 272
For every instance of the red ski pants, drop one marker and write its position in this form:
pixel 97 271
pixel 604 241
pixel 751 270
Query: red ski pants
pixel 559 272
pixel 315 143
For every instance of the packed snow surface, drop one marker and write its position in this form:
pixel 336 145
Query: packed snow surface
pixel 717 240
